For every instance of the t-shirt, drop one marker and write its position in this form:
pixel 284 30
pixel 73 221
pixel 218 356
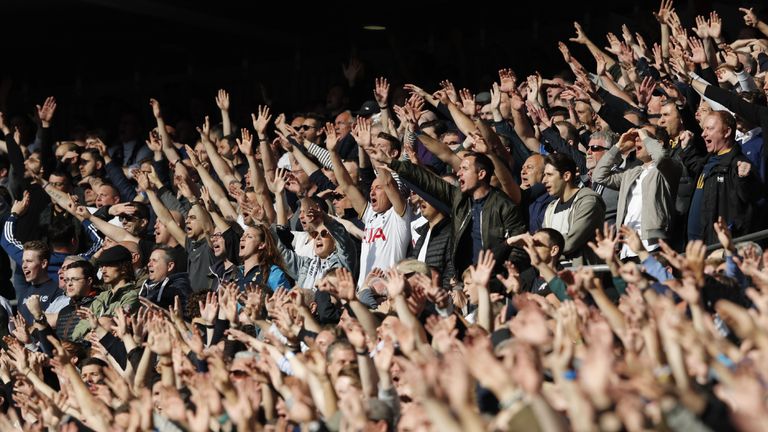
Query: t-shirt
pixel 386 239
pixel 200 258
pixel 561 220
pixel 48 292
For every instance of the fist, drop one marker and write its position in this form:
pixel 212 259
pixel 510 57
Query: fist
pixel 743 168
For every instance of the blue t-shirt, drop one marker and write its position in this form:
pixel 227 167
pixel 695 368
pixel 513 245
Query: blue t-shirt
pixel 276 279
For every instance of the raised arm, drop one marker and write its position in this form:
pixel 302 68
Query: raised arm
pixel 222 101
pixel 161 211
pixel 260 126
pixel 258 179
pixel 114 232
pixel 359 202
pixel 214 188
pixel 222 168
pixel 168 149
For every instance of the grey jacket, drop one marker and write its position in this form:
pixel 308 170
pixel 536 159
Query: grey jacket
pixel 299 267
pixel 659 188
pixel 586 215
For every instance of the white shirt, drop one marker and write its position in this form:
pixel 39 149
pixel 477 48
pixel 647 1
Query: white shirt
pixel 416 224
pixel 423 251
pixel 633 218
pixel 386 239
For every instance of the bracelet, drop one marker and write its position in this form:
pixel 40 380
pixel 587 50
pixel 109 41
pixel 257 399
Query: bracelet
pixel 263 140
pixel 361 353
pixel 383 107
pixel 165 364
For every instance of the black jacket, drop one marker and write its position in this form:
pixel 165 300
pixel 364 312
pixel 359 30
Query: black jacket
pixel 162 293
pixel 725 193
pixel 438 250
pixel 501 218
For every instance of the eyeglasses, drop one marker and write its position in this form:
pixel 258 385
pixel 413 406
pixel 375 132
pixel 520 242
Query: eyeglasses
pixel 73 279
pixel 597 148
pixel 322 233
pixel 215 235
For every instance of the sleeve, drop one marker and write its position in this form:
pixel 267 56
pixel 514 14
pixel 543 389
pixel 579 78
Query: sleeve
pixel 553 138
pixel 321 154
pixel 602 173
pixel 344 246
pixel 559 289
pixel 16 172
pixel 654 268
pixel 612 111
pixel 733 270
pixel 96 240
pixel 277 279
pixel 11 246
pixel 751 112
pixel 172 203
pixel 293 262
pixel 121 182
pixel 163 172
pixel 322 181
pixel 428 182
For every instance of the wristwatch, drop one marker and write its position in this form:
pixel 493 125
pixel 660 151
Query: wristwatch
pixel 41 319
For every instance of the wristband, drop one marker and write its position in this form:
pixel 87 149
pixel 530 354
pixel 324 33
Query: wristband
pixel 361 353
pixel 383 107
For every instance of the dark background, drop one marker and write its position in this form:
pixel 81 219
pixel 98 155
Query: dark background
pixel 102 58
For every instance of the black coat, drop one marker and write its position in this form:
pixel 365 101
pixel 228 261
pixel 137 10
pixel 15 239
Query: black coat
pixel 438 250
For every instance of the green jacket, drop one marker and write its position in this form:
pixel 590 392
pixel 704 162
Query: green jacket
pixel 500 219
pixel 106 303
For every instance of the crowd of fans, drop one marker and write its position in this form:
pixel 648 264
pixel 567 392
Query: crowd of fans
pixel 426 262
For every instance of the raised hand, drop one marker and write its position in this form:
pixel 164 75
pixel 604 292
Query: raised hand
pixel 45 112
pixel 702 27
pixel 508 80
pixel 345 285
pixel 209 309
pixel 481 273
pixel 277 185
pixel 606 241
pixel 512 281
pixel 381 92
pixel 361 132
pixel 715 26
pixel 246 144
pixel 645 91
pixel 614 44
pixel 331 139
pixel 495 97
pixel 750 18
pixel 395 283
pixel 20 207
pixel 468 105
pixel 581 37
pixel 222 100
pixel 155 108
pixel 261 122
pixel 665 9
pixel 697 51
pixel 450 90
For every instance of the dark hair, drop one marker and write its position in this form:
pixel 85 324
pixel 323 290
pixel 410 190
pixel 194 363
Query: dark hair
pixel 316 117
pixel 39 246
pixel 171 256
pixel 555 239
pixel 482 162
pixel 393 141
pixel 89 270
pixel 571 133
pixel 61 232
pixel 93 361
pixel 563 164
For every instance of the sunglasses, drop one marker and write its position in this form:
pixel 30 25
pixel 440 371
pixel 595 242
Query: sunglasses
pixel 322 233
pixel 305 127
pixel 597 148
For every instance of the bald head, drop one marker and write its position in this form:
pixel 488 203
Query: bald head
pixel 532 171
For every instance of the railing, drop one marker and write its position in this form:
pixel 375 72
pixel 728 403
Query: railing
pixel 757 235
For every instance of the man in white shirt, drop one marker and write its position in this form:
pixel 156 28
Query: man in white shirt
pixel 646 192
